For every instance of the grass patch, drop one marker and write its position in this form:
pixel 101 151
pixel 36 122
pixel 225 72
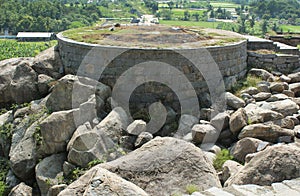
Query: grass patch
pixel 290 28
pixel 221 157
pixel 190 188
pixel 179 13
pixel 203 24
pixel 265 51
pixel 224 5
pixel 250 81
pixel 13 48
pixel 225 41
pixel 4 167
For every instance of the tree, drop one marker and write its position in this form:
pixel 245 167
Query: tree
pixel 170 4
pixel 186 15
pixel 275 27
pixel 242 27
pixel 252 21
pixel 212 14
pixel 25 23
pixel 196 15
pixel 264 27
pixel 154 7
pixel 167 15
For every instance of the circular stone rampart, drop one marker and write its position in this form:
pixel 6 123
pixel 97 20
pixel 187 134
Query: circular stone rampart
pixel 230 59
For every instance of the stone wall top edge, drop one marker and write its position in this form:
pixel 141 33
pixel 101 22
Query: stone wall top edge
pixel 68 41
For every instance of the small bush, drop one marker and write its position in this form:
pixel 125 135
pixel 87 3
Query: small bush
pixel 3 111
pixel 190 188
pixel 250 81
pixel 3 189
pixel 95 162
pixel 221 157
pixel 4 167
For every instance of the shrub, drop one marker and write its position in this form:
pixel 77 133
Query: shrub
pixel 2 188
pixel 250 81
pixel 221 157
pixel 95 162
pixel 190 188
pixel 4 167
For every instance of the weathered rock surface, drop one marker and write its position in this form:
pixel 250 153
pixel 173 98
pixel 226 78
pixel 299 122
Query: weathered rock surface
pixel 250 91
pixel 88 144
pixel 23 154
pixel 21 189
pixel 289 187
pixel 18 81
pixel 114 124
pixel 262 96
pixel 274 164
pixel 143 138
pixel 186 123
pixel 269 133
pixel 233 101
pixel 7 117
pixel 263 87
pixel 49 172
pixel 23 87
pixel 71 91
pixel 136 127
pixel 277 87
pixel 238 120
pixel 284 78
pixel 49 63
pixel 295 87
pixel 56 130
pixel 229 168
pixel 164 166
pixel 288 93
pixel 204 133
pixel 286 107
pixel 265 75
pixel 220 121
pixel 295 77
pixel 243 147
pixel 56 189
pixel 44 84
pixel 8 67
pixel 99 181
pixel 256 114
pixel 11 180
pixel 283 123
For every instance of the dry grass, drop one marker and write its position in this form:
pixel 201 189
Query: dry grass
pixel 250 81
pixel 156 36
pixel 264 51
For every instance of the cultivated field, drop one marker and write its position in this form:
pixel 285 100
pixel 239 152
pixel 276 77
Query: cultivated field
pixel 13 48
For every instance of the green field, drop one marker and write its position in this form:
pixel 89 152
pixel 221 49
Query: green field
pixel 179 13
pixel 190 23
pixel 163 5
pixel 290 28
pixel 224 5
pixel 13 48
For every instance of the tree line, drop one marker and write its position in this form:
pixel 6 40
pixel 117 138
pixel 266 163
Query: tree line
pixel 45 15
pixel 280 9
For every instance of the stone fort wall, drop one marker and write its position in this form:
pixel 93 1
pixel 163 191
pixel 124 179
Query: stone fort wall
pixel 231 60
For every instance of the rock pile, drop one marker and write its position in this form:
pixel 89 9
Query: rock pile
pixel 64 138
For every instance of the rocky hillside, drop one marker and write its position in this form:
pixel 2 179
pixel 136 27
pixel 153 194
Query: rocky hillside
pixel 53 144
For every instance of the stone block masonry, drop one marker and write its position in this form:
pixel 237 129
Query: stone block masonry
pixel 284 63
pixel 231 60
